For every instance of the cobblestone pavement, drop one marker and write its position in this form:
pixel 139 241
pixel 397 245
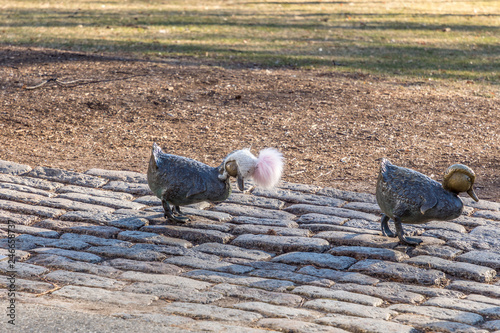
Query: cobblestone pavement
pixel 93 250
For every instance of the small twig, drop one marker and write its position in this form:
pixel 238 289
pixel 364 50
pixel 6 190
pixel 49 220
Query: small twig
pixel 49 291
pixel 77 82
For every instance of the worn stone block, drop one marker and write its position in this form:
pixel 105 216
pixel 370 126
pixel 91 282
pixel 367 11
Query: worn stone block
pixel 400 271
pixel 212 312
pixel 23 270
pixel 355 239
pixel 171 280
pixel 190 234
pixel 290 276
pixel 442 251
pixel 24 229
pixel 12 168
pixel 277 311
pixel 352 309
pixel 101 201
pixel 339 276
pixel 389 293
pixel 76 255
pixel 270 230
pixel 59 262
pixel 126 176
pixel 132 188
pixel 470 287
pixel 299 197
pixel 95 192
pixel 488 310
pixel 19 189
pixel 314 218
pixel 149 237
pixel 28 286
pixel 463 270
pixel 423 290
pixel 255 200
pixel 30 209
pixel 465 317
pixel 145 267
pixel 364 252
pixel 300 209
pixel 94 240
pixel 237 210
pixel 74 205
pixel 102 295
pixel 366 207
pixel 291 325
pixel 84 279
pixel 174 293
pixel 134 252
pixel 483 258
pixel 226 250
pixel 339 295
pixel 248 281
pixel 264 222
pixel 258 294
pixel 31 182
pixel 436 325
pixel 281 243
pixel 18 219
pixel 317 259
pixel 372 325
pixel 65 176
pixel 219 266
pixel 348 195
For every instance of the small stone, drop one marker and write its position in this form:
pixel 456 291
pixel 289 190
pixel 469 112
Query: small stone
pixel 132 188
pixel 226 250
pixel 174 293
pixel 439 313
pixel 74 205
pixel 65 176
pixel 399 271
pixel 300 209
pixel 427 291
pixel 296 326
pixel 339 276
pixel 277 311
pixel 31 182
pixel 366 207
pixel 317 259
pixel 281 244
pixel 93 240
pixel 17 188
pixel 271 265
pixel 171 280
pixel 76 255
pixel 355 239
pixel 12 168
pixel 23 229
pixel 348 195
pixel 317 228
pixel 363 252
pixel 340 295
pixel 59 262
pixel 299 187
pixel 352 309
pixel 211 312
pixel 107 296
pixel 463 270
pixel 133 252
pixel 101 201
pixel 487 214
pixel 487 310
pixel 484 299
pixel 149 237
pixel 18 219
pixel 83 279
pixel 470 287
pixel 442 251
pixel 450 226
pixel 248 281
pixel 265 222
pixel 29 286
pixel 95 192
pixel 436 325
pixel 236 210
pixel 190 234
pixel 253 200
pixel 258 294
pixel 299 197
pixel 357 324
pixel 314 218
pixel 209 214
pixel 145 267
pixel 389 293
pixel 295 277
pixel 269 230
pixel 23 270
pixel 126 176
pixel 483 258
pixel 29 209
pixel 219 266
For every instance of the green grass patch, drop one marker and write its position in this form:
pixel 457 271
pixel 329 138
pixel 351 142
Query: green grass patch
pixel 418 39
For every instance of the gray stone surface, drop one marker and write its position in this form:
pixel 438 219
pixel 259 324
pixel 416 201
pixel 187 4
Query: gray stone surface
pixel 18 219
pixel 465 317
pixel 173 293
pixel 281 243
pixel 297 326
pixel 258 294
pixel 64 176
pixel 459 269
pixel 23 270
pixel 30 182
pixel 352 309
pixel 400 272
pixel 436 325
pixel 317 259
pixel 483 258
pixel 270 230
pixel 340 295
pixel 300 209
pixel 277 311
pixel 443 251
pixel 30 209
pixel 339 276
pixel 389 293
pixel 76 255
pixel 149 237
pixel 102 295
pixel 295 277
pixel 347 195
pixel 315 218
pixel 264 221
pixel 12 168
pixel 133 188
pixel 214 265
pixel 146 267
pixel 299 197
pixel 354 239
pixel 83 279
pixel 357 324
pixel 126 176
pixel 363 252
pixel 190 234
pixel 203 311
pixel 476 288
pixel 241 210
pixel 254 200
pixel 95 192
pixel 487 310
pixel 226 250
pixel 59 262
pixel 100 200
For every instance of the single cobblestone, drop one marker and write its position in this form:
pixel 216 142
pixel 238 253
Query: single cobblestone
pixel 126 176
pixel 39 232
pixel 95 192
pixel 400 272
pixel 272 265
pixel 365 207
pixel 270 230
pixel 355 239
pixel 212 312
pixel 145 267
pixel 101 201
pixel 59 262
pixel 299 197
pixel 28 198
pixel 219 266
pixel 339 276
pixel 134 252
pixel 296 326
pixel 18 219
pixel 278 311
pixel 443 251
pixel 79 228
pixel 132 188
pixel 352 309
pixel 465 317
pixel 317 259
pixel 340 295
pixel 23 270
pixel 189 234
pixel 348 195
pixel 64 176
pixel 484 299
pixel 171 280
pixel 357 324
pixel 363 252
pixel 30 182
pixel 74 205
pixel 149 237
pixel 264 222
pixel 470 287
pixel 459 269
pixel 294 277
pixel 436 325
pixel 253 200
pixel 84 279
pixel 36 287
pixel 314 218
pixel 75 255
pixel 487 310
pixel 258 294
pixel 240 210
pixel 94 240
pixel 226 250
pixel 174 293
pixel 300 209
pixel 483 258
pixel 26 189
pixel 209 214
pixel 427 291
pixel 29 209
pixel 12 168
pixel 281 244
pixel 248 281
pixel 95 295
pixel 389 293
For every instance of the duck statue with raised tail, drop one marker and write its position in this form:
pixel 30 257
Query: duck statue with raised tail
pixel 407 196
pixel 180 181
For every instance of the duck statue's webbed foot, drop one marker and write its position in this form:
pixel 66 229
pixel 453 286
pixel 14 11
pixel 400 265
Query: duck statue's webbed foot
pixel 384 223
pixel 178 217
pixel 401 234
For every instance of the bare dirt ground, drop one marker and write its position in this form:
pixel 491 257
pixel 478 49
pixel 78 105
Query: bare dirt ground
pixel 332 127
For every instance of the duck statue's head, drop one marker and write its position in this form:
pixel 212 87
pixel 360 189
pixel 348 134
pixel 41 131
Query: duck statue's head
pixel 460 178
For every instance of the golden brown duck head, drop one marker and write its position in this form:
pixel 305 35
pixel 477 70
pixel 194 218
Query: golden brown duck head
pixel 460 178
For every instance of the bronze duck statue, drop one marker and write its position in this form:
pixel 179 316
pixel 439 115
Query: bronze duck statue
pixel 407 196
pixel 180 181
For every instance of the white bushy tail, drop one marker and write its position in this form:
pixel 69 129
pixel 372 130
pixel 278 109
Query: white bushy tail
pixel 268 168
